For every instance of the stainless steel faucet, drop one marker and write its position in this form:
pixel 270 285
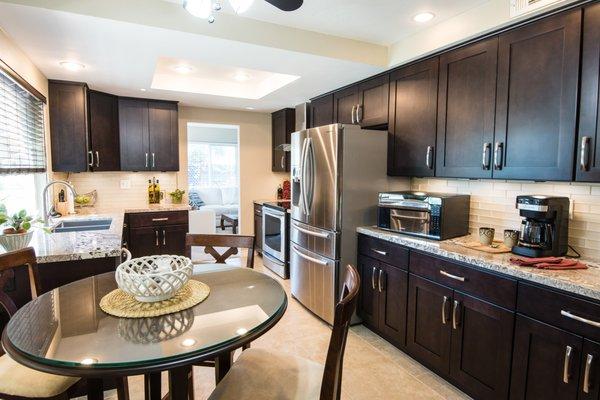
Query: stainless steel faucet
pixel 45 196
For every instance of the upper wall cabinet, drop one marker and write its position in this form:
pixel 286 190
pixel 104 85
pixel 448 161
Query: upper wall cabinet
pixel 104 132
pixel 373 100
pixel 321 111
pixel 536 103
pixel 412 112
pixel 283 123
pixel 588 155
pixel 148 133
pixel 68 126
pixel 345 102
pixel 466 105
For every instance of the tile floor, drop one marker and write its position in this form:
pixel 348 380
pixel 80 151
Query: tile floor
pixel 373 368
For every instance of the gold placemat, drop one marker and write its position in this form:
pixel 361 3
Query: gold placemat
pixel 121 304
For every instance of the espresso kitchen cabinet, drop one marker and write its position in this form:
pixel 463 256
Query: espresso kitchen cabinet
pixel 148 133
pixel 345 102
pixel 536 100
pixel 412 128
pixel 368 307
pixel 466 106
pixel 157 233
pixel 104 131
pixel 68 126
pixel 588 155
pixel 321 111
pixel 283 123
pixel 590 371
pixel 373 102
pixel 258 228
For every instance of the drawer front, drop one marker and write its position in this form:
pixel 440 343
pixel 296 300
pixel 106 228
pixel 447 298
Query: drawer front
pixel 493 288
pixel 389 253
pixel 567 312
pixel 138 220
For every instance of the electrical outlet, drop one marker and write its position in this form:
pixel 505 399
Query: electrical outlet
pixel 125 184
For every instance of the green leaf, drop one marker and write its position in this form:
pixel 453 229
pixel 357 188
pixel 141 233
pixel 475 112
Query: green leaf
pixel 22 213
pixel 26 225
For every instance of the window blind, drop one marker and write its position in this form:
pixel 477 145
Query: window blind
pixel 22 147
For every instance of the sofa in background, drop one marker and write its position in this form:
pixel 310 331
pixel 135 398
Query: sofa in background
pixel 219 200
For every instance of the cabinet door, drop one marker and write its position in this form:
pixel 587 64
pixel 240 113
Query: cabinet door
pixel 321 111
pixel 144 241
pixel 543 367
pixel 282 126
pixel 482 336
pixel 68 126
pixel 429 324
pixel 344 105
pixel 588 155
pixel 258 232
pixel 589 385
pixel 412 130
pixel 104 131
pixel 373 99
pixel 133 135
pixel 536 103
pixel 164 136
pixel 172 239
pixel 393 297
pixel 369 296
pixel 466 105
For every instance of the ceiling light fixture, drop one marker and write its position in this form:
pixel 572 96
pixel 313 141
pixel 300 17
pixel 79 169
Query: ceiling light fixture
pixel 72 65
pixel 240 6
pixel 242 76
pixel 183 69
pixel 206 9
pixel 423 17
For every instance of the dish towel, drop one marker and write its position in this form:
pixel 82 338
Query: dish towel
pixel 555 263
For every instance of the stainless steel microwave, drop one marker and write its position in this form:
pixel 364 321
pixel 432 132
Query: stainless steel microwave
pixel 436 216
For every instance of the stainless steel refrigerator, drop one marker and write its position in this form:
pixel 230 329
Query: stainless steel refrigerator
pixel 337 171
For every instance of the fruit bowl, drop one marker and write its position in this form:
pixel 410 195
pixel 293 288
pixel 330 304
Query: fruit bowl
pixel 153 278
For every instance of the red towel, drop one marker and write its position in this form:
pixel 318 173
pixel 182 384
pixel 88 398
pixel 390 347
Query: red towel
pixel 565 264
pixel 554 263
pixel 530 262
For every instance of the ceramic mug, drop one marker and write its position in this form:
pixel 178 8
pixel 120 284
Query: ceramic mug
pixel 511 238
pixel 486 236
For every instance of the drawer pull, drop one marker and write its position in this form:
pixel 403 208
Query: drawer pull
pixel 568 314
pixel 380 252
pixel 455 314
pixel 160 219
pixel 444 317
pixel 373 278
pixel 586 374
pixel 164 238
pixel 156 232
pixel 567 364
pixel 455 277
pixel 379 286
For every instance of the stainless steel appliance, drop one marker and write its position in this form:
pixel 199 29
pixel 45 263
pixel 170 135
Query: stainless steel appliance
pixel 337 171
pixel 436 216
pixel 275 237
pixel 545 229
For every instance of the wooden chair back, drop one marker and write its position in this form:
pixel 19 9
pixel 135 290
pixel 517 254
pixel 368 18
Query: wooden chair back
pixel 209 242
pixel 8 263
pixel 331 386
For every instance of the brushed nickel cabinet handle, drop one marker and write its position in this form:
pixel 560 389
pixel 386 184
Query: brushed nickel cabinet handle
pixel 379 286
pixel 146 160
pixel 584 155
pixel 90 158
pixel 455 314
pixel 160 219
pixel 429 157
pixel 455 277
pixel 359 113
pixel 97 158
pixel 156 233
pixel 586 374
pixel 485 162
pixel 373 278
pixel 153 161
pixel 164 238
pixel 353 113
pixel 283 161
pixel 444 303
pixel 569 314
pixel 498 153
pixel 567 364
pixel 380 252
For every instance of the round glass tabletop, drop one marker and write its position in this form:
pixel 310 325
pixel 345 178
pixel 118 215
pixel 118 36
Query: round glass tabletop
pixel 66 328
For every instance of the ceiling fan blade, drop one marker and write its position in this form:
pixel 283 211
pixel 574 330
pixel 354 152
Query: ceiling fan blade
pixel 286 5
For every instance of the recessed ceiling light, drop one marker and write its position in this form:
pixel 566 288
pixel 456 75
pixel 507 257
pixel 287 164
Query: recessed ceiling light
pixel 198 8
pixel 423 17
pixel 242 76
pixel 72 65
pixel 240 6
pixel 183 69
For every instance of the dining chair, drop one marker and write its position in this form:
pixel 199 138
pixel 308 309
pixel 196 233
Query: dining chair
pixel 211 242
pixel 266 374
pixel 18 382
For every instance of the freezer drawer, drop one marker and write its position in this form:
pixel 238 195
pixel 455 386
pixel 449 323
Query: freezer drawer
pixel 320 241
pixel 313 281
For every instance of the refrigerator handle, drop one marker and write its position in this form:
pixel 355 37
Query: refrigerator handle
pixel 307 257
pixel 310 152
pixel 303 176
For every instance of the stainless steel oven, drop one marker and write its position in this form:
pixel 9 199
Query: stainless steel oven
pixel 275 240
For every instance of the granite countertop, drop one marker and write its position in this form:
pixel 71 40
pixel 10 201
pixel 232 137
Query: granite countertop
pixel 581 282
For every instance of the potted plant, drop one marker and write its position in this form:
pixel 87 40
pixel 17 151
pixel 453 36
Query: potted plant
pixel 17 232
pixel 177 196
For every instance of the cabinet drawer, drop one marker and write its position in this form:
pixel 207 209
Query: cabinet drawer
pixel 486 286
pixel 137 220
pixel 382 250
pixel 567 312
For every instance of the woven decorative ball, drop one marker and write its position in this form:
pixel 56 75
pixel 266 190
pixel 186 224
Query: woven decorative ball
pixel 157 329
pixel 153 278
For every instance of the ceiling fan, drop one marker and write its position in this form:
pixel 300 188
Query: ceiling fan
pixel 207 8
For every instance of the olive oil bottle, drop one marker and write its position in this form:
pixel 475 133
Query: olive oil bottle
pixel 150 192
pixel 157 193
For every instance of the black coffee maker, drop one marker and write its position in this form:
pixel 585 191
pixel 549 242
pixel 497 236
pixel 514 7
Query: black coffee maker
pixel 545 229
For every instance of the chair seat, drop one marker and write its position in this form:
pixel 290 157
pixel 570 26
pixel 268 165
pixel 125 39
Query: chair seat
pixel 18 380
pixel 262 374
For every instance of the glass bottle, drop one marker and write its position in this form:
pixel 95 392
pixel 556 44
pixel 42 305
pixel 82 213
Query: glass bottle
pixel 150 192
pixel 157 193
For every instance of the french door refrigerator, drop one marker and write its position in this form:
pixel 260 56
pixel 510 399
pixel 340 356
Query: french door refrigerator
pixel 337 171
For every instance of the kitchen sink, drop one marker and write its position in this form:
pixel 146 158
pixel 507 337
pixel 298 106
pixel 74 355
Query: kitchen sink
pixel 83 225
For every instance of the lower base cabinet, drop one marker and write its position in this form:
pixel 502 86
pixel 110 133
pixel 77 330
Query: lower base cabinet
pixel 157 233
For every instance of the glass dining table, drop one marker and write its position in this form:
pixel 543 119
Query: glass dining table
pixel 65 332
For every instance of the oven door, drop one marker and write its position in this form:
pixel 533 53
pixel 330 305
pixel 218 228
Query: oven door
pixel 274 235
